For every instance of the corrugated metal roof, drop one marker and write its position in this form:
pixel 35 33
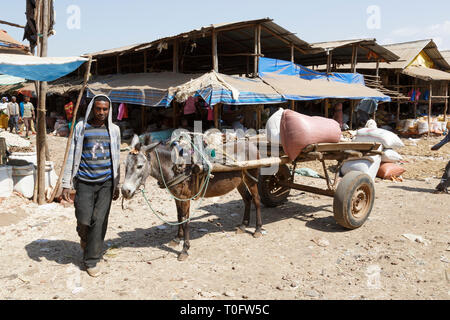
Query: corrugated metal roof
pixel 407 52
pixel 371 44
pixel 342 52
pixel 446 55
pixel 220 27
pixel 426 74
pixel 9 43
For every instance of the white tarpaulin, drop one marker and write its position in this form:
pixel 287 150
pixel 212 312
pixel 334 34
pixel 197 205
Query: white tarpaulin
pixel 6 80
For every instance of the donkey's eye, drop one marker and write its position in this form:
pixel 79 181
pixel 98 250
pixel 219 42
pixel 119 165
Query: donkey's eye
pixel 140 166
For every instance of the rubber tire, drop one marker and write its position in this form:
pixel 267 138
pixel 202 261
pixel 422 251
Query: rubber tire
pixel 267 198
pixel 342 204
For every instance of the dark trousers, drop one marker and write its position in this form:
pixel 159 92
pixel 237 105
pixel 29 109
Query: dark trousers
pixel 13 123
pixel 92 206
pixel 445 181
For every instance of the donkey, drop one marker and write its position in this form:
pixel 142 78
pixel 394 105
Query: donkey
pixel 142 162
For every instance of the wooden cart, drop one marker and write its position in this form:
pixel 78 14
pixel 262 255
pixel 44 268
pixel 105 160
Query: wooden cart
pixel 353 195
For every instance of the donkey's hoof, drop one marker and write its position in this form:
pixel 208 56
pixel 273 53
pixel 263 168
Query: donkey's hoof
pixel 174 243
pixel 240 230
pixel 257 234
pixel 182 256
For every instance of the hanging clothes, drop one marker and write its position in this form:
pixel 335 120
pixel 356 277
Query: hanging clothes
pixel 418 93
pixel 189 107
pixel 210 113
pixel 69 111
pixel 410 94
pixel 123 112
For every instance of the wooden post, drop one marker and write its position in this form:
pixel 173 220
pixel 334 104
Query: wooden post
pixel 41 123
pixel 248 66
pixel 292 103
pixel 118 64
pixel 354 57
pixel 377 72
pixel 175 68
pixel 69 139
pixel 326 108
pixel 398 101
pixel 215 59
pixel 352 111
pixel 446 102
pixel 145 61
pixel 143 120
pixel 175 114
pixel 258 117
pixel 217 115
pixel 257 48
pixel 415 101
pixel 292 53
pixel 329 61
pixel 429 107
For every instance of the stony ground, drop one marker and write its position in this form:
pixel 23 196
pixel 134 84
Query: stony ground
pixel 401 252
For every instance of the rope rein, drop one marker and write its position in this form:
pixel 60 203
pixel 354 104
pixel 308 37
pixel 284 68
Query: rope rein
pixel 202 189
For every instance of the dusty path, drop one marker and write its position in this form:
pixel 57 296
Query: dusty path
pixel 304 254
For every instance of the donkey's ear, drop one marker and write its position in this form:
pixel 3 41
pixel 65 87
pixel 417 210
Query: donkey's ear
pixel 135 142
pixel 150 147
pixel 148 139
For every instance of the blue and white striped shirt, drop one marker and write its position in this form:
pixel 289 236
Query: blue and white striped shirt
pixel 95 164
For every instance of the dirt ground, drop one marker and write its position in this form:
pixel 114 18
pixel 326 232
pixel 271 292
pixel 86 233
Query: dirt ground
pixel 304 253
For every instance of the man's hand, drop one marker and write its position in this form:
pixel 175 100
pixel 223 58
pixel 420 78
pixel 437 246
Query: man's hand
pixel 66 195
pixel 116 194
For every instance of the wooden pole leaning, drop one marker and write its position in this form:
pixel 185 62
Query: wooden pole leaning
pixel 41 132
pixel 69 139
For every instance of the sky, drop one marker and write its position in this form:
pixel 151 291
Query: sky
pixel 84 26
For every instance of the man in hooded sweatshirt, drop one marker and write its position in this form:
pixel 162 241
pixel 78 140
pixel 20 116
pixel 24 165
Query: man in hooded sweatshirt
pixel 93 170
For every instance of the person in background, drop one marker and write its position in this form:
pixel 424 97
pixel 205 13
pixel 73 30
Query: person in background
pixel 93 169
pixel 13 111
pixel 3 113
pixel 3 104
pixel 442 187
pixel 28 114
pixel 338 114
pixel 239 123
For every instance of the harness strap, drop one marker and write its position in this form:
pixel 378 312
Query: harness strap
pixel 177 180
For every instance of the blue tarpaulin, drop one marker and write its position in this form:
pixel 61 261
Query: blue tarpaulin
pixel 295 82
pixel 281 67
pixel 37 68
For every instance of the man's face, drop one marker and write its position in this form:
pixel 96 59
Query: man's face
pixel 101 110
pixel 27 99
pixel 13 99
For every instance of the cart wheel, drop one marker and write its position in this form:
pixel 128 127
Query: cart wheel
pixel 271 193
pixel 353 200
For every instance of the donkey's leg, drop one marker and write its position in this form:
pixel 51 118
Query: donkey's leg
pixel 247 198
pixel 185 206
pixel 180 235
pixel 253 186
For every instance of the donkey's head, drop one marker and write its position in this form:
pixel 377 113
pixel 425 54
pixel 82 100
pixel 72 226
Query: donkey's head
pixel 137 166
